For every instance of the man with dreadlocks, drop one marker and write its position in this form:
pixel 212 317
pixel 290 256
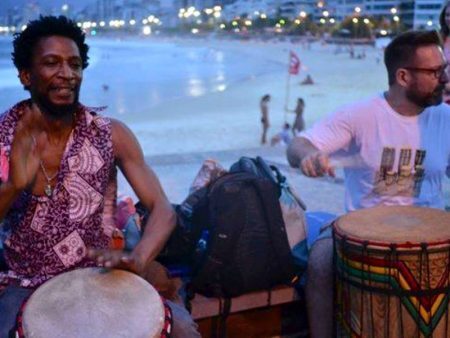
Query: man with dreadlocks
pixel 58 182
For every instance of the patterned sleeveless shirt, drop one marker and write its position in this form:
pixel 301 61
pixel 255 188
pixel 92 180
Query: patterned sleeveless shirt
pixel 46 236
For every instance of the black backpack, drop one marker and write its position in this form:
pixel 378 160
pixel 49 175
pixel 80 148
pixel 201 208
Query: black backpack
pixel 247 247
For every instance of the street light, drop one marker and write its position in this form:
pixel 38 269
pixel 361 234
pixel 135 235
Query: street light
pixel 147 30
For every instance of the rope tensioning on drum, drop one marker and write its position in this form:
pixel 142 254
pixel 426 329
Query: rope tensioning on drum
pixel 404 245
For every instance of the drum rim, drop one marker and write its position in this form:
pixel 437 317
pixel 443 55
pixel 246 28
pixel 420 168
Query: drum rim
pixel 339 234
pixel 165 333
pixel 166 329
pixel 407 245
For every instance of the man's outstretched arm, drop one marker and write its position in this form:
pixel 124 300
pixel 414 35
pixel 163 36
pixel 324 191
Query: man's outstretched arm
pixel 162 220
pixel 312 162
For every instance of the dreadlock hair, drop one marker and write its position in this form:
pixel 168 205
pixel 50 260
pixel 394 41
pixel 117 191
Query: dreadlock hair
pixel 25 42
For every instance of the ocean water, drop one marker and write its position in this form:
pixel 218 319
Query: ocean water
pixel 132 77
pixel 8 74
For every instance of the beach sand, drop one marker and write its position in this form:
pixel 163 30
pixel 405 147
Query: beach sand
pixel 178 134
pixel 230 119
pixel 225 125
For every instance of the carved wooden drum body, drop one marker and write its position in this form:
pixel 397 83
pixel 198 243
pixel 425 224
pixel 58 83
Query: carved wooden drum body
pixel 392 273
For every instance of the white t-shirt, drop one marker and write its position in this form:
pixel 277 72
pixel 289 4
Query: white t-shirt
pixel 388 158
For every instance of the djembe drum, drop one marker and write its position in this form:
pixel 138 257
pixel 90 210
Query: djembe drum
pixel 95 303
pixel 392 273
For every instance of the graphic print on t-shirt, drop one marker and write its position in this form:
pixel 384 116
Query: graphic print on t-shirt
pixel 406 178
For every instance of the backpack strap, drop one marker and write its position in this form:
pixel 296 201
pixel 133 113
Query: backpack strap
pixel 281 181
pixel 276 229
pixel 268 171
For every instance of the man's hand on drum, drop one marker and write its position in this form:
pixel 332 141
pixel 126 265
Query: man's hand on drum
pixel 317 164
pixel 117 259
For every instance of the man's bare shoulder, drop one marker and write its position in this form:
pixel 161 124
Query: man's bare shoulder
pixel 124 141
pixel 120 129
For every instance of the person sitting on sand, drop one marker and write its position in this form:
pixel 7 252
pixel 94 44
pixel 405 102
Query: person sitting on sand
pixel 283 137
pixel 307 81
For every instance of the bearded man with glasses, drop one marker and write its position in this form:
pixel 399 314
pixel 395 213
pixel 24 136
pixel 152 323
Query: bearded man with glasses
pixel 394 148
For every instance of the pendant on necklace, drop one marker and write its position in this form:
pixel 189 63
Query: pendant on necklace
pixel 48 190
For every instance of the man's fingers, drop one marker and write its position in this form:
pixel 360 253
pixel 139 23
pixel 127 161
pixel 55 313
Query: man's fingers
pixel 112 258
pixel 311 169
pixel 127 260
pixel 317 165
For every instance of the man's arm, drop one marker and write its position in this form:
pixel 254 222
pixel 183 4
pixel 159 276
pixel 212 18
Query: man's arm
pixel 8 194
pixel 303 154
pixel 162 220
pixel 28 144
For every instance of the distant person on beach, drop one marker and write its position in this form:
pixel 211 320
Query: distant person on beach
pixel 299 122
pixel 264 106
pixel 58 191
pixel 444 21
pixel 283 137
pixel 307 81
pixel 406 125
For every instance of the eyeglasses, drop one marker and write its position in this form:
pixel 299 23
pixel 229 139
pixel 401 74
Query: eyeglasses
pixel 437 72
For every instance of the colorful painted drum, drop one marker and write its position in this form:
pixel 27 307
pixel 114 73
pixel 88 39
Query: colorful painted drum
pixel 392 273
pixel 95 303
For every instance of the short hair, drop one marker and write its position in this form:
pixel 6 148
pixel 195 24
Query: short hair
pixel 401 51
pixel 25 41
pixel 445 31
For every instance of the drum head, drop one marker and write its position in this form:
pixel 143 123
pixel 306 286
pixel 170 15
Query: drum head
pixel 396 224
pixel 95 303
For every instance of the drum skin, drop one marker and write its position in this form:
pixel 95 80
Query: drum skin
pixel 95 303
pixel 392 273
